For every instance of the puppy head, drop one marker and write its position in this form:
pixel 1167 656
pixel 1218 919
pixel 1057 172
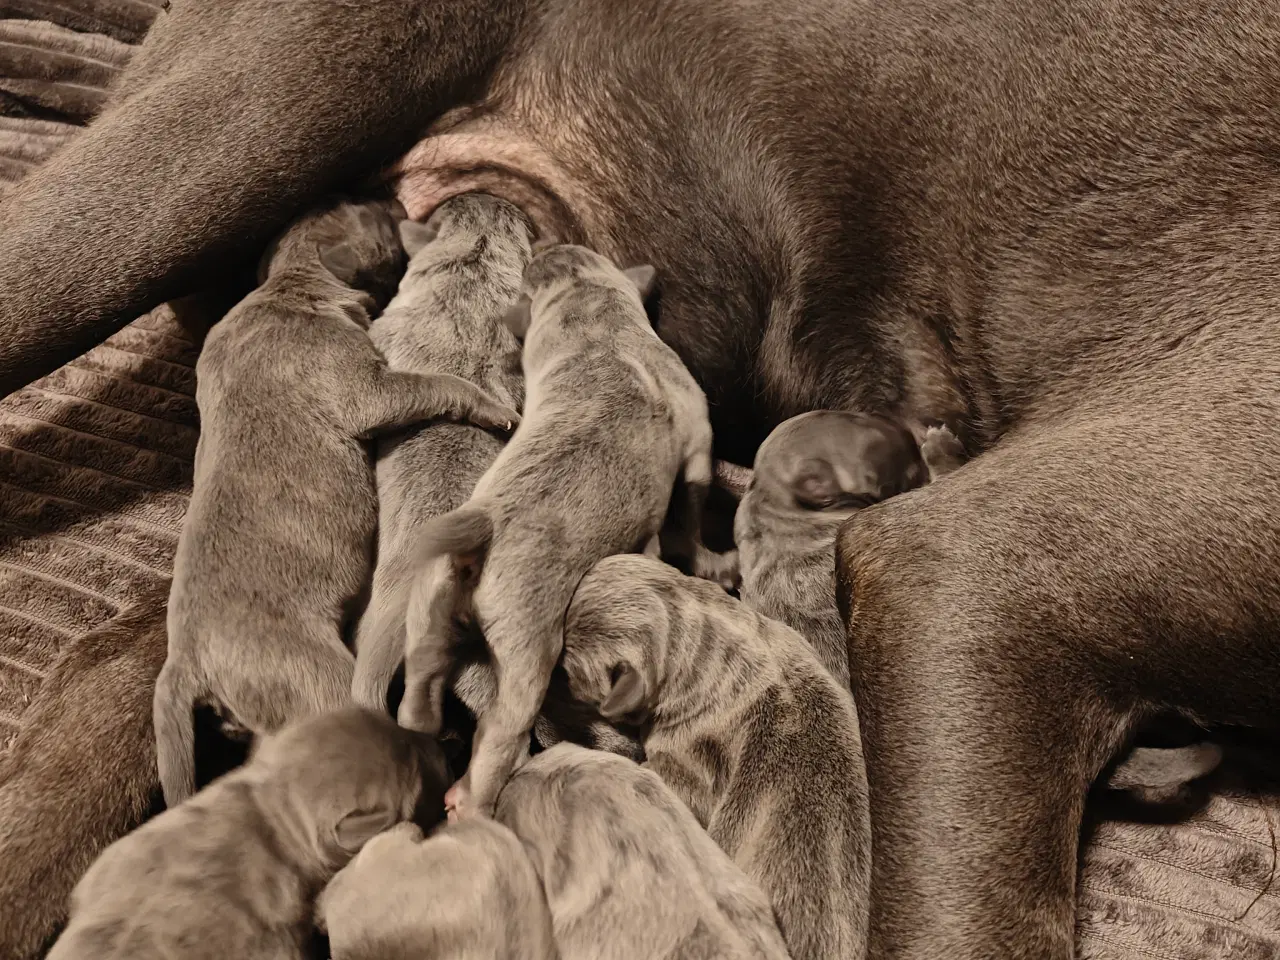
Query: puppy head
pixel 466 218
pixel 837 461
pixel 351 774
pixel 356 242
pixel 563 266
pixel 615 639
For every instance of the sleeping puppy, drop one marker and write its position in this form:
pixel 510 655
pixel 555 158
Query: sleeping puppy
pixel 277 541
pixel 464 274
pixel 628 873
pixel 811 473
pixel 744 724
pixel 467 892
pixel 234 871
pixel 612 421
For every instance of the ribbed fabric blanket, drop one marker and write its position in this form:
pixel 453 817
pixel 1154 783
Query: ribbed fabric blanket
pixel 95 470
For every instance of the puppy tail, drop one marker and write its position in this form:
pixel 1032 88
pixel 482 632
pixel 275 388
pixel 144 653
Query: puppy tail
pixel 464 534
pixel 175 732
pixel 380 637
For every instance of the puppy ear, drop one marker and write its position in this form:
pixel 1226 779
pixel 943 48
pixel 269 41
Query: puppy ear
pixel 415 235
pixel 519 317
pixel 627 696
pixel 341 261
pixel 360 826
pixel 815 484
pixel 642 276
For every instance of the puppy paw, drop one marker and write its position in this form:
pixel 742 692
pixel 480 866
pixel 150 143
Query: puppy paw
pixel 941 451
pixel 719 568
pixel 497 416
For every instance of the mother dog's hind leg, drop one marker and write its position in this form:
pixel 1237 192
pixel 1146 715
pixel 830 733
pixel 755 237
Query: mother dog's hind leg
pixel 1010 624
pixel 235 114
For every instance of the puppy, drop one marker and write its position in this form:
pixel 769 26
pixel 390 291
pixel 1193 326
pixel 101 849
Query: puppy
pixel 628 873
pixel 612 421
pixel 234 871
pixel 742 722
pixel 467 892
pixel 811 473
pixel 464 274
pixel 277 541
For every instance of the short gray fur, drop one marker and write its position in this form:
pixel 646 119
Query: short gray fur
pixel 612 420
pixel 628 872
pixel 465 267
pixel 277 543
pixel 466 892
pixel 233 871
pixel 746 727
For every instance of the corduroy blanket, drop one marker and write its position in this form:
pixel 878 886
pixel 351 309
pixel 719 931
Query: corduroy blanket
pixel 95 469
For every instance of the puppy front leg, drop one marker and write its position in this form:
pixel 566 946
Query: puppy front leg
pixel 245 111
pixel 401 399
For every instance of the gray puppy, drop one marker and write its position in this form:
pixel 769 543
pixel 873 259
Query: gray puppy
pixel 467 892
pixel 277 541
pixel 234 871
pixel 465 267
pixel 612 421
pixel 742 722
pixel 628 873
pixel 811 473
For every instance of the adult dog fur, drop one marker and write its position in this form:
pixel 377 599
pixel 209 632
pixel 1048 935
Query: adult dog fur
pixel 467 892
pixel 612 421
pixel 1054 225
pixel 628 873
pixel 277 542
pixel 234 871
pixel 746 726
pixel 465 268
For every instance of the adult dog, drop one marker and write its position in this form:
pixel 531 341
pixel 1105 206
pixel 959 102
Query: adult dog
pixel 1055 225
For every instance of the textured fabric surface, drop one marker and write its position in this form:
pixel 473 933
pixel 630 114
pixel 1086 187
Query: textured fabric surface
pixel 95 465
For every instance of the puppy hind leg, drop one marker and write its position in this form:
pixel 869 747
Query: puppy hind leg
pixel 685 519
pixel 429 649
pixel 401 399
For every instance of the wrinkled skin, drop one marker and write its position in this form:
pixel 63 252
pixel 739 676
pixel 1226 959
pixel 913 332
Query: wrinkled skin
pixel 1053 225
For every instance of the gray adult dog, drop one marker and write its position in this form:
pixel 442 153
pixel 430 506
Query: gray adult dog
pixel 628 872
pixel 465 268
pixel 746 726
pixel 277 543
pixel 1054 225
pixel 810 475
pixel 612 421
pixel 467 892
pixel 234 871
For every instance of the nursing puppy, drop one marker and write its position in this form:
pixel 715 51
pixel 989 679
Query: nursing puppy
pixel 464 274
pixel 612 421
pixel 277 541
pixel 235 870
pixel 467 892
pixel 628 873
pixel 811 473
pixel 742 722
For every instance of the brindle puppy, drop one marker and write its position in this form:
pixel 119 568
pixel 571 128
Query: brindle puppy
pixel 467 892
pixel 276 543
pixel 628 873
pixel 740 719
pixel 612 421
pixel 464 274
pixel 233 872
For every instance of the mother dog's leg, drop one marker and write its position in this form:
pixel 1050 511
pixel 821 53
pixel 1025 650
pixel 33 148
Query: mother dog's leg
pixel 240 111
pixel 1011 623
